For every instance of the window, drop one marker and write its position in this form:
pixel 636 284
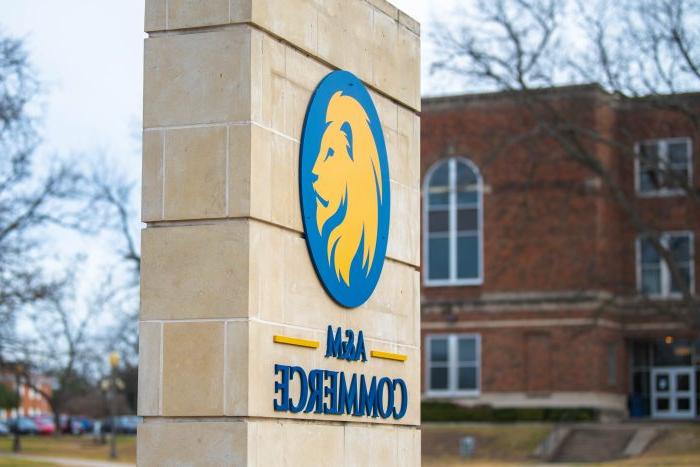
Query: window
pixel 654 276
pixel 453 218
pixel 663 166
pixel 453 364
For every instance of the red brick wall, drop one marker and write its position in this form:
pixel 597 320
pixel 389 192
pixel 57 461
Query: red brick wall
pixel 569 358
pixel 31 403
pixel 548 229
pixel 537 214
pixel 546 226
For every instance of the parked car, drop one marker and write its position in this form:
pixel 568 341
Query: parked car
pixel 4 429
pixel 45 425
pixel 85 423
pixel 67 424
pixel 23 426
pixel 75 425
pixel 125 424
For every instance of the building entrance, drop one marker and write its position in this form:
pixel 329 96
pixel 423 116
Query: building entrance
pixel 673 392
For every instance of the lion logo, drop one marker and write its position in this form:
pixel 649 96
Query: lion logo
pixel 349 176
pixel 344 188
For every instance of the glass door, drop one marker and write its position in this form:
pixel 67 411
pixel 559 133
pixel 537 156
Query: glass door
pixel 673 392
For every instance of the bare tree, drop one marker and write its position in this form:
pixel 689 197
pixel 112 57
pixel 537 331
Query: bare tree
pixel 111 195
pixel 64 343
pixel 30 197
pixel 35 197
pixel 642 52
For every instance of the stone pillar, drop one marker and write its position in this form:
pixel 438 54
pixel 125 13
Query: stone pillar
pixel 226 275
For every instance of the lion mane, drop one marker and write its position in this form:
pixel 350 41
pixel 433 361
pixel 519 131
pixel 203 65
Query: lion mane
pixel 357 181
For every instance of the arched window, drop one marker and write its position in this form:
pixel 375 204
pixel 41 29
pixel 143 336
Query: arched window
pixel 453 217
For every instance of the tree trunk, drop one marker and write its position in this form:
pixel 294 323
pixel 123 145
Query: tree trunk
pixel 56 416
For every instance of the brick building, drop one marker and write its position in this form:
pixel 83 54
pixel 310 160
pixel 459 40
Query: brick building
pixel 537 289
pixel 31 402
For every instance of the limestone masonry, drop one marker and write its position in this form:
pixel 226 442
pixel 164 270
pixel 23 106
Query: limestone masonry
pixel 228 289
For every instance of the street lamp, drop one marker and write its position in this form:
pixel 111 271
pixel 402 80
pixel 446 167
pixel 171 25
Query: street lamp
pixel 113 363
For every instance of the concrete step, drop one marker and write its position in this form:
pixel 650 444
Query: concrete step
pixel 593 445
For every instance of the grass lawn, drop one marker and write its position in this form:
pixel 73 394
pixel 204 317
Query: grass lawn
pixel 71 446
pixel 496 443
pixel 678 446
pixel 4 462
pixel 512 444
pixel 506 444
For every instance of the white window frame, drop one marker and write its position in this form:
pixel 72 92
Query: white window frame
pixel 452 366
pixel 663 156
pixel 665 272
pixel 452 234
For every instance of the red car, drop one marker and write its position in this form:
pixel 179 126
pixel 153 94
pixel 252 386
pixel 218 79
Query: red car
pixel 44 425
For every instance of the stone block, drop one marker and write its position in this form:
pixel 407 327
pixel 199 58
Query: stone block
pixel 408 446
pixel 149 369
pixel 193 368
pixel 285 289
pixel 396 50
pixel 295 20
pixel 387 110
pixel 408 124
pixel 266 354
pixel 225 265
pixel 195 163
pixel 155 16
pixel 385 41
pixel 274 179
pixel 275 442
pixel 187 443
pixel 384 55
pixel 410 23
pixel 241 11
pixel 236 377
pixel 404 228
pixel 269 74
pixel 409 59
pixel 239 169
pixel 184 278
pixel 378 449
pixel 275 193
pixel 314 444
pixel 401 127
pixel 286 442
pixel 341 23
pixel 355 445
pixel 304 70
pixel 385 7
pixel 286 80
pixel 195 271
pixel 197 78
pixel 196 13
pixel 389 312
pixel 152 176
pixel 265 442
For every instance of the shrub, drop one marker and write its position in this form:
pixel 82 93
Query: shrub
pixel 449 412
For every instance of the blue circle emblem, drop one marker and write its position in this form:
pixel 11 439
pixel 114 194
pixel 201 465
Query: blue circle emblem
pixel 344 188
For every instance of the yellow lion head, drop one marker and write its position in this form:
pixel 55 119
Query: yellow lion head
pixel 348 175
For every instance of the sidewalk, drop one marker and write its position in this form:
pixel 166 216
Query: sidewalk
pixel 65 461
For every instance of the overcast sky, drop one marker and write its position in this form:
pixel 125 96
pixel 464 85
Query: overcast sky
pixel 89 57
